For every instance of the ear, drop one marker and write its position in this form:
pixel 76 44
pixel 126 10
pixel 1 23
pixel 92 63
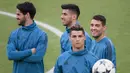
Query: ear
pixel 84 37
pixel 104 27
pixel 69 37
pixel 74 17
pixel 27 15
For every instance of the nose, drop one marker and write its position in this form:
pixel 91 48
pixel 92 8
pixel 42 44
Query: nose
pixel 61 16
pixel 77 38
pixel 16 16
pixel 93 27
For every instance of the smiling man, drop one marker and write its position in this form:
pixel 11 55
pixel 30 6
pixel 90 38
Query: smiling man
pixel 69 18
pixel 78 59
pixel 102 46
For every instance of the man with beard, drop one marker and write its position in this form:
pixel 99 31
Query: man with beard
pixel 69 18
pixel 102 46
pixel 27 45
pixel 78 59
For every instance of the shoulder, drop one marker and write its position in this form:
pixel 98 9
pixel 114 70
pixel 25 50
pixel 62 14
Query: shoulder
pixel 63 57
pixel 87 35
pixel 108 41
pixel 14 32
pixel 40 32
pixel 92 56
pixel 109 46
pixel 64 35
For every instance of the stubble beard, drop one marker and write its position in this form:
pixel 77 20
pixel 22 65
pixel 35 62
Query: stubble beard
pixel 22 23
pixel 96 37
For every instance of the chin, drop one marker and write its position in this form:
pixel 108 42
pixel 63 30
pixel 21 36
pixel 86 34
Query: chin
pixel 96 37
pixel 20 24
pixel 77 47
pixel 64 24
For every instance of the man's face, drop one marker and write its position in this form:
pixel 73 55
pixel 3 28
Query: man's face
pixel 66 17
pixel 77 38
pixel 97 28
pixel 20 18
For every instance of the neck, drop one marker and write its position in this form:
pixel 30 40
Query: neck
pixel 28 22
pixel 73 23
pixel 75 49
pixel 100 37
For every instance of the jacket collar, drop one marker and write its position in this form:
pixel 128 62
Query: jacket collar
pixel 78 53
pixel 30 27
pixel 68 28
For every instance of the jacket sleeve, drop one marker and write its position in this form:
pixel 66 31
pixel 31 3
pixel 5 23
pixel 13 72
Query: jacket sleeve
pixel 40 49
pixel 61 44
pixel 110 53
pixel 57 68
pixel 13 54
pixel 88 41
pixel 65 43
pixel 114 56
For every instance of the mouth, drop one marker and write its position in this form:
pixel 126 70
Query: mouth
pixel 17 18
pixel 93 31
pixel 77 43
pixel 62 20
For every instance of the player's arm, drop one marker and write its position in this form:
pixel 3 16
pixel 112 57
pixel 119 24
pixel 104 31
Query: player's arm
pixel 40 49
pixel 91 61
pixel 57 68
pixel 114 56
pixel 88 41
pixel 61 44
pixel 110 53
pixel 13 54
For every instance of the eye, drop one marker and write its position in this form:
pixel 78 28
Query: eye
pixel 64 14
pixel 97 25
pixel 80 36
pixel 74 36
pixel 17 14
pixel 91 24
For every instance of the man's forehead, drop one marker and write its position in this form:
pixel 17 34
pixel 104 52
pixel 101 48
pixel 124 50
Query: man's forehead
pixel 18 11
pixel 67 11
pixel 76 32
pixel 93 21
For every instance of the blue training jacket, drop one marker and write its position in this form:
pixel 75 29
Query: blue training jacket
pixel 19 46
pixel 66 43
pixel 75 62
pixel 104 49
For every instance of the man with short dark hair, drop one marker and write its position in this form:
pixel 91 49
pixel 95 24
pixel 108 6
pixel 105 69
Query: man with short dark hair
pixel 102 46
pixel 78 59
pixel 69 17
pixel 27 45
